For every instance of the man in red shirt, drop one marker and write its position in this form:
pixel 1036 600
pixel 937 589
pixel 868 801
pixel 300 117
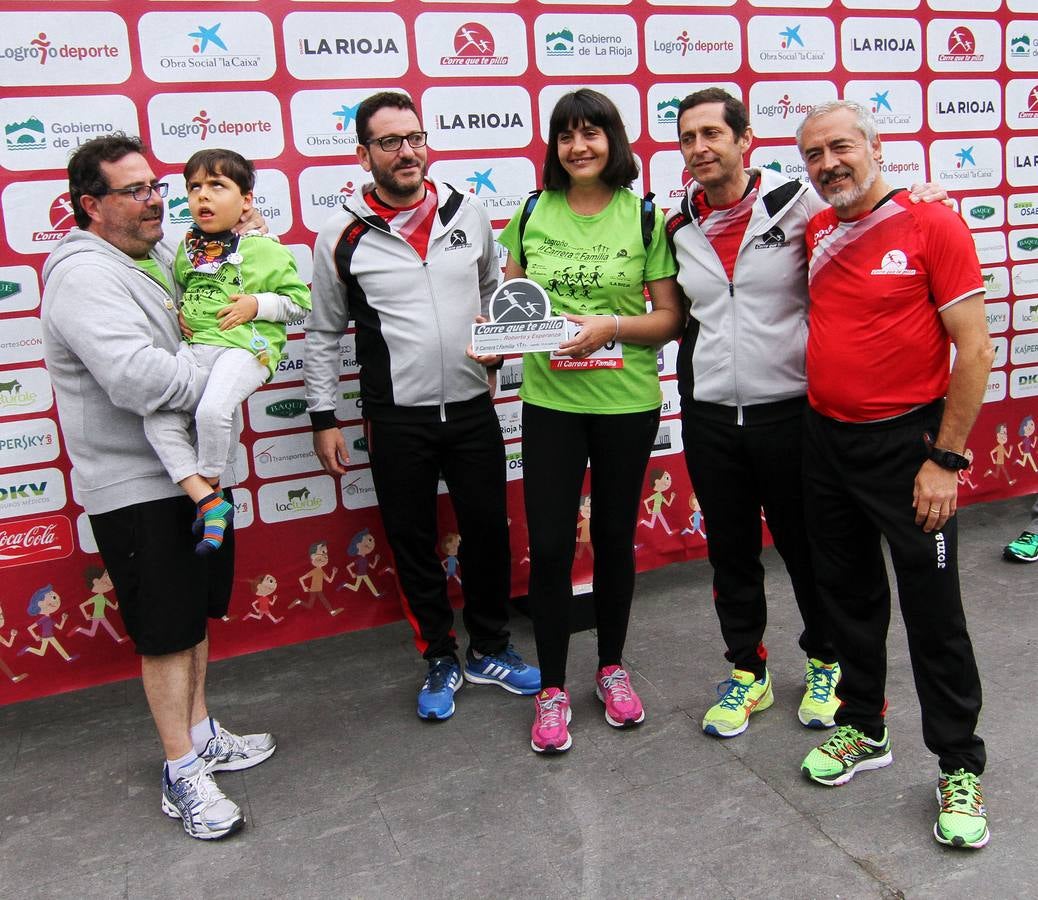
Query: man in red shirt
pixel 892 285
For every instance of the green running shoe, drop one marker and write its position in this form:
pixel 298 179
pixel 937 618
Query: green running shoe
pixel 820 702
pixel 846 752
pixel 963 819
pixel 741 695
pixel 1024 549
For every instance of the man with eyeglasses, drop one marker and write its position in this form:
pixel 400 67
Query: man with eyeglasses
pixel 111 337
pixel 412 263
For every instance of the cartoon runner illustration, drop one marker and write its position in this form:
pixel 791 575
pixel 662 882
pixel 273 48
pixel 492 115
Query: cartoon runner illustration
pixel 449 547
pixel 264 587
pixel 655 502
pixel 7 642
pixel 313 582
pixel 93 608
pixel 695 519
pixel 1000 453
pixel 584 528
pixel 966 475
pixel 360 548
pixel 44 603
pixel 1027 444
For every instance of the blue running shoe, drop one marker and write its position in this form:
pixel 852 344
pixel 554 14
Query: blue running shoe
pixel 436 698
pixel 505 669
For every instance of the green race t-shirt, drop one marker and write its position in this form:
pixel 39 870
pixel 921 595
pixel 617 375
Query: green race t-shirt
pixel 592 265
pixel 265 266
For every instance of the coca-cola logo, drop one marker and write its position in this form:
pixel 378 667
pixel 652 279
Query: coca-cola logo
pixel 35 540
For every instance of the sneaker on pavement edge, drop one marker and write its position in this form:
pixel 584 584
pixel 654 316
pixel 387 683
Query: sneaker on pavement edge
pixel 442 682
pixel 963 819
pixel 741 696
pixel 848 751
pixel 204 810
pixel 550 733
pixel 623 709
pixel 505 669
pixel 820 702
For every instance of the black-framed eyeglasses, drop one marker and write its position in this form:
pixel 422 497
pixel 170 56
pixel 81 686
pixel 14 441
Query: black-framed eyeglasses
pixel 139 192
pixel 393 142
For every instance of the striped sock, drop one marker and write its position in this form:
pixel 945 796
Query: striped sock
pixel 216 514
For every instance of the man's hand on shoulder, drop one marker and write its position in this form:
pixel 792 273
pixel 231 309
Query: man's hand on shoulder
pixel 251 220
pixel 931 192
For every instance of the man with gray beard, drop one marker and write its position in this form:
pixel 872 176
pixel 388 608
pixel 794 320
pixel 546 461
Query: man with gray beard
pixel 892 286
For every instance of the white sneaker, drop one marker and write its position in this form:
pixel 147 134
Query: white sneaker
pixel 227 752
pixel 195 799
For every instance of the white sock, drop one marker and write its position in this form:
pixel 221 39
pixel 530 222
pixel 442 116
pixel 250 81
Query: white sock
pixel 201 732
pixel 175 766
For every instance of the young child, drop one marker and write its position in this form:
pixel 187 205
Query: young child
pixel 237 293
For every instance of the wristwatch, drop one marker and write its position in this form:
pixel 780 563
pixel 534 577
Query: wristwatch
pixel 949 459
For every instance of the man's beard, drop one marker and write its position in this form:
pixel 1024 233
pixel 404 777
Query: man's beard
pixel 853 195
pixel 387 182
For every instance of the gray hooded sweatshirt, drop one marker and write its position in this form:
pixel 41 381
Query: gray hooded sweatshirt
pixel 110 338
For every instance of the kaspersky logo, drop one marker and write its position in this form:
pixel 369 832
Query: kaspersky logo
pixel 480 180
pixel 61 219
pixel 559 43
pixel 667 111
pixel 473 46
pixel 28 135
pixel 206 37
pixel 962 46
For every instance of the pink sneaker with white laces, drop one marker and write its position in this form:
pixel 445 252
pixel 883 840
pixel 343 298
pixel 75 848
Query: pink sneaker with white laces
pixel 549 733
pixel 623 709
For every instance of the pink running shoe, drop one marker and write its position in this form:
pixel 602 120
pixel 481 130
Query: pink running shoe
pixel 623 709
pixel 549 733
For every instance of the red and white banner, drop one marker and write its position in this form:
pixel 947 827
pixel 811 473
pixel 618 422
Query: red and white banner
pixel 953 85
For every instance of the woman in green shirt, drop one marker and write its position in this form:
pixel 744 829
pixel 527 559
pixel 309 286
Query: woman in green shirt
pixel 583 243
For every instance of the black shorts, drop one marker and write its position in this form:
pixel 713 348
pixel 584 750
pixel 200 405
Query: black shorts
pixel 164 589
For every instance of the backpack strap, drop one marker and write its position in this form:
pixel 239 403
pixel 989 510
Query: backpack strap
pixel 524 217
pixel 648 220
pixel 648 217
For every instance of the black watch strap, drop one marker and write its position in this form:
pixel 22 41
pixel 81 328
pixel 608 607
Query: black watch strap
pixel 949 459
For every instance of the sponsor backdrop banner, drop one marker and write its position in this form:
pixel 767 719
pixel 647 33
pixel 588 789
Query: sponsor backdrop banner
pixel 953 84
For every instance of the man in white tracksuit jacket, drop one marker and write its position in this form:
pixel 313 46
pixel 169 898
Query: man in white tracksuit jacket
pixel 738 237
pixel 412 263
